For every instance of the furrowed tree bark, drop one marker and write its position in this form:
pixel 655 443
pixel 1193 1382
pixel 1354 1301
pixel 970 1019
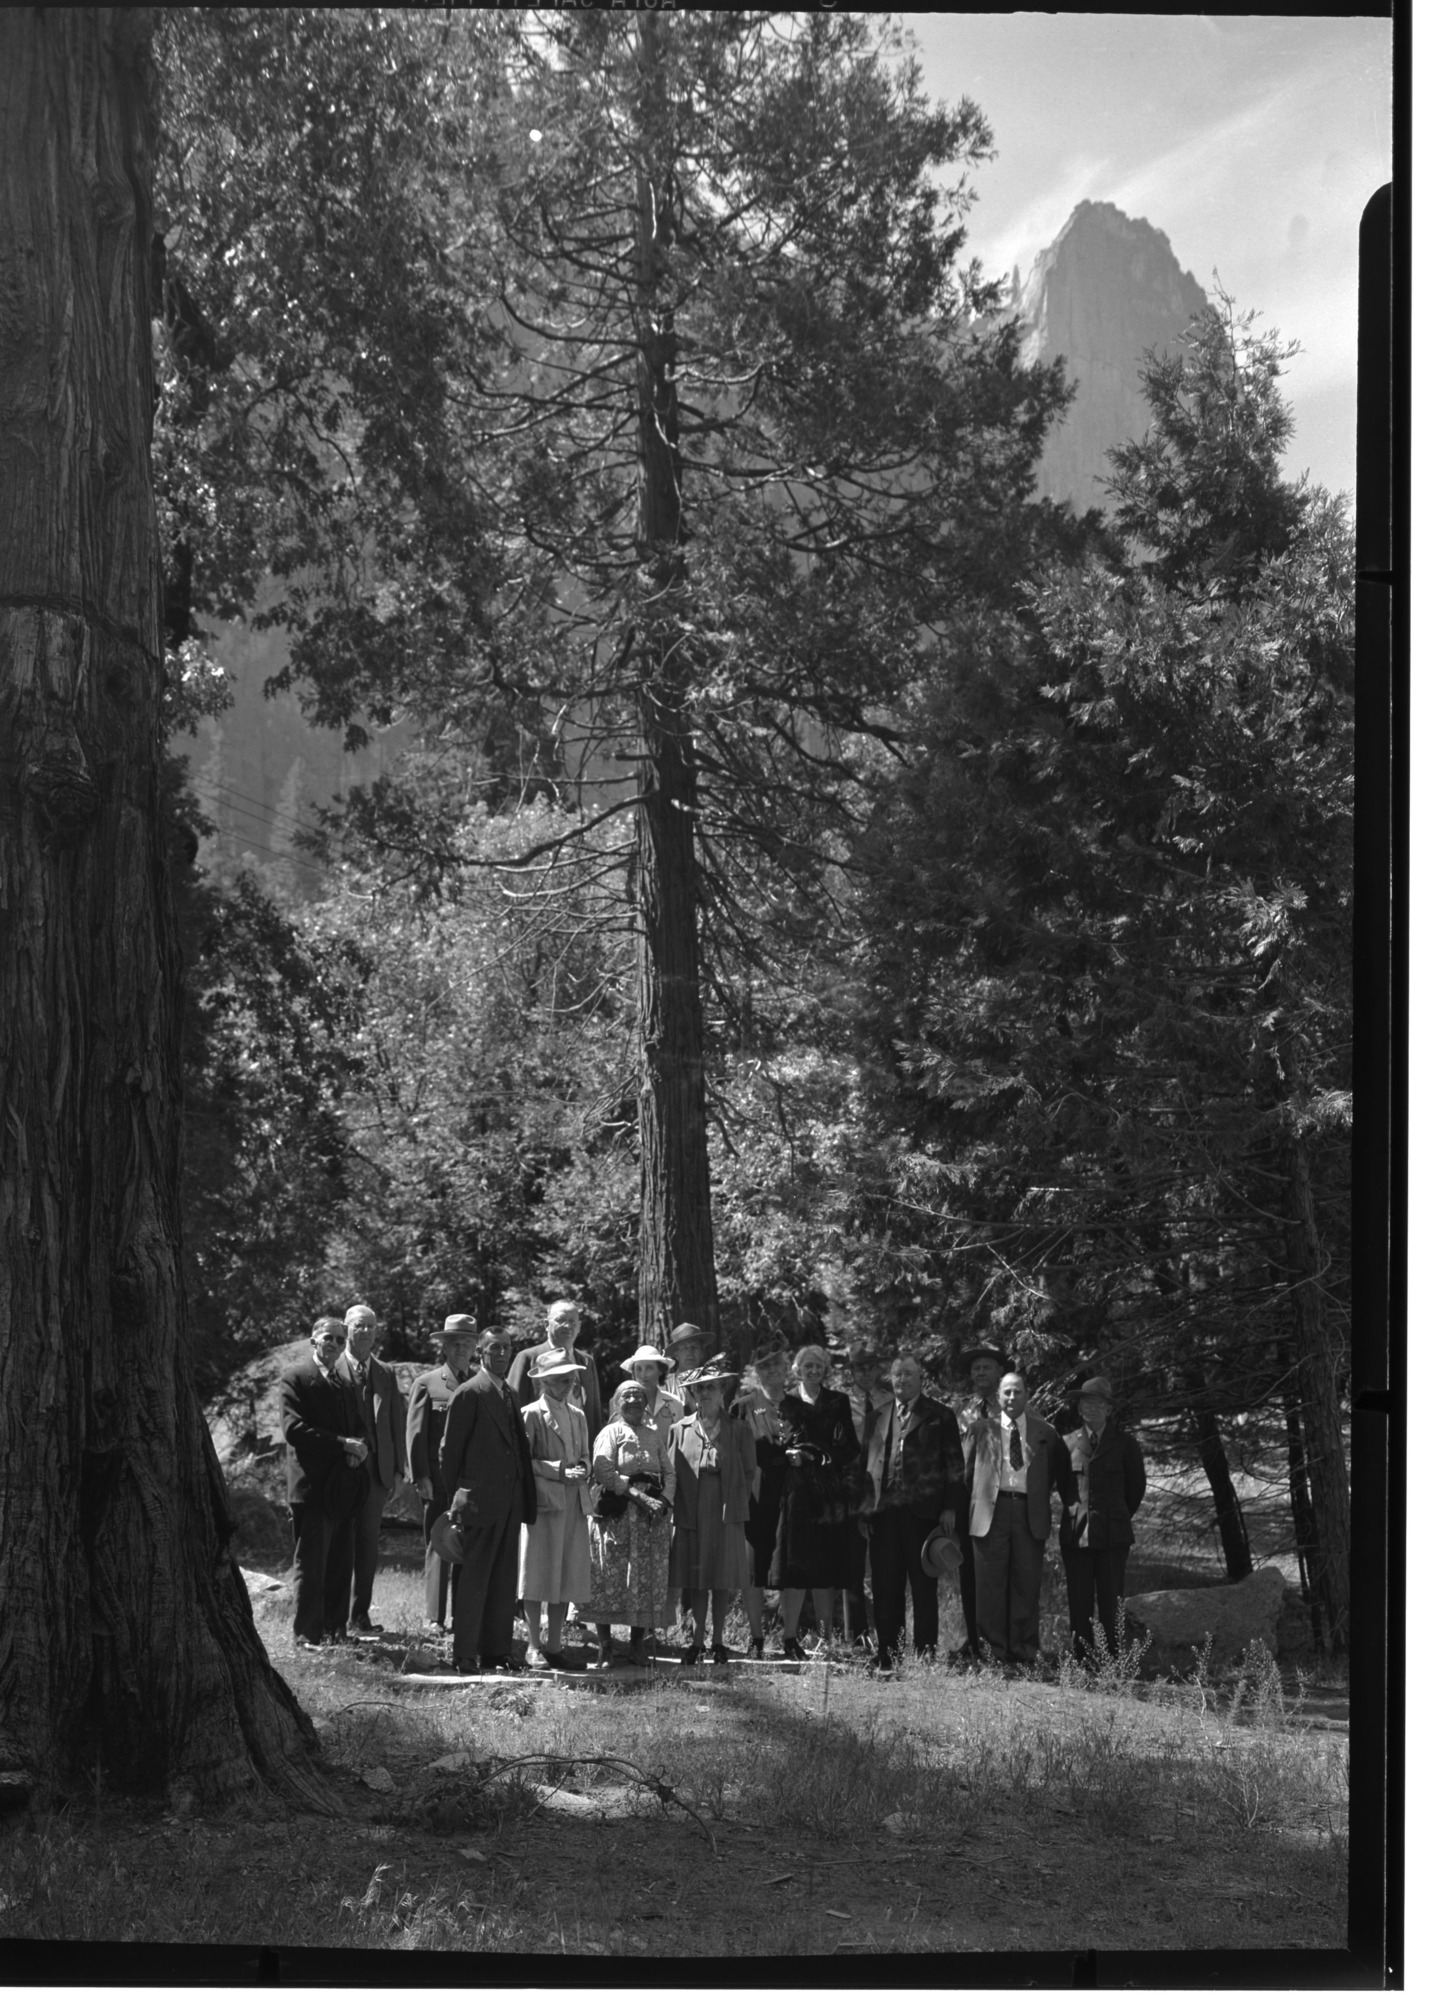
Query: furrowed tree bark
pixel 128 1653
pixel 676 1258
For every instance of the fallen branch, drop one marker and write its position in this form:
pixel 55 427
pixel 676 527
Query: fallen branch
pixel 663 1791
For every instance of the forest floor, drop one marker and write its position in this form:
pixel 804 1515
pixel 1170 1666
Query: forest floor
pixel 729 1813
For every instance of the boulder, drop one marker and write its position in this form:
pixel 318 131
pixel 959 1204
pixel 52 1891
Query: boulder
pixel 1178 1621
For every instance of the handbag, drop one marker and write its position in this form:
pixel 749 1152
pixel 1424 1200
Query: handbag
pixel 611 1505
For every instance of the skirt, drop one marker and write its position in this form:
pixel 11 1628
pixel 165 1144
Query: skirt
pixel 709 1555
pixel 553 1561
pixel 629 1569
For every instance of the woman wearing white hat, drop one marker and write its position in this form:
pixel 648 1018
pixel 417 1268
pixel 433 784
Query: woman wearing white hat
pixel 650 1366
pixel 554 1565
pixel 630 1534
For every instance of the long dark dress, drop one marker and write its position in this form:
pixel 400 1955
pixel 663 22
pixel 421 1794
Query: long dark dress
pixel 767 1427
pixel 812 1537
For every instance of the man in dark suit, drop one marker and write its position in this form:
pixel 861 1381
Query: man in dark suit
pixel 1097 1532
pixel 326 1451
pixel 1013 1462
pixel 381 1401
pixel 486 1464
pixel 428 1407
pixel 983 1366
pixel 914 1482
pixel 563 1321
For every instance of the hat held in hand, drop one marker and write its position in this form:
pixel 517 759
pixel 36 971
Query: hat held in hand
pixel 941 1555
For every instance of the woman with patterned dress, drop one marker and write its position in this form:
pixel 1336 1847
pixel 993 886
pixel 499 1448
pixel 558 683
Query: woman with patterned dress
pixel 715 1460
pixel 812 1537
pixel 553 1561
pixel 631 1549
pixel 759 1407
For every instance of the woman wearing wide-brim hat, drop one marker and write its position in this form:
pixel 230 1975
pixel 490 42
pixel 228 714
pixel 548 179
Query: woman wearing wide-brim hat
pixel 715 1461
pixel 630 1534
pixel 554 1563
pixel 651 1367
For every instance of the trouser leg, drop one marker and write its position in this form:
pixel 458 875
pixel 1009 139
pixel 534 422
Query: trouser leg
pixel 365 1550
pixel 495 1638
pixel 311 1538
pixel 967 1594
pixel 925 1607
pixel 338 1576
pixel 888 1579
pixel 475 1581
pixel 992 1581
pixel 436 1572
pixel 1079 1566
pixel 1109 1578
pixel 1027 1561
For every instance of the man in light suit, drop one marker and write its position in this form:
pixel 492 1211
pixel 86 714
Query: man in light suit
pixel 325 1451
pixel 983 1367
pixel 428 1406
pixel 486 1464
pixel 377 1389
pixel 914 1483
pixel 1013 1462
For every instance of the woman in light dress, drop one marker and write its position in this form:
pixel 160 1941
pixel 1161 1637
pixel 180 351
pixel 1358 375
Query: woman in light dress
pixel 630 1550
pixel 554 1565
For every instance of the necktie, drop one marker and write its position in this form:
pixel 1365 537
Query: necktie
pixel 1017 1449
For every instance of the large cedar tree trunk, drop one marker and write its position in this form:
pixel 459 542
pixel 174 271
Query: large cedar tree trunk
pixel 128 1653
pixel 676 1262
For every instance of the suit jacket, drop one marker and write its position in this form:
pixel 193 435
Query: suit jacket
pixel 428 1406
pixel 550 1456
pixel 737 1450
pixel 585 1393
pixel 383 1419
pixel 1109 1487
pixel 315 1416
pixel 1047 1471
pixel 932 1467
pixel 485 1458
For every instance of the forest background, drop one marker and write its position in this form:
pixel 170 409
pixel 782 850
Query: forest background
pixel 610 403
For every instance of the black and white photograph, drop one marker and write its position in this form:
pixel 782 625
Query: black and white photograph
pixel 701 1067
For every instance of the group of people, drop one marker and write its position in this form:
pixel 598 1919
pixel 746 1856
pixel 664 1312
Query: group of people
pixel 689 1490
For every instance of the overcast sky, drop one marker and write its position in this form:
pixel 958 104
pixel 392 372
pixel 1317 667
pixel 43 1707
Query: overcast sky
pixel 1252 141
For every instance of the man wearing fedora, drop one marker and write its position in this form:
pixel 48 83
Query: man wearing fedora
pixel 1097 1532
pixel 428 1406
pixel 914 1483
pixel 564 1318
pixel 381 1401
pixel 982 1366
pixel 486 1465
pixel 1013 1462
pixel 325 1453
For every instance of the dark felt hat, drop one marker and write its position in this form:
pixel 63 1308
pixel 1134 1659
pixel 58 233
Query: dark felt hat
pixel 446 1539
pixel 983 1352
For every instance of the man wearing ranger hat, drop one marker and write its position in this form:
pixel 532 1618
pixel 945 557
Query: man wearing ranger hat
pixel 1096 1533
pixel 427 1419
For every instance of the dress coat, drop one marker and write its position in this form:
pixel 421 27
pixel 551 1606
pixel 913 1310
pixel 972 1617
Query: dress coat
pixel 384 1419
pixel 485 1463
pixel 1047 1471
pixel 555 1563
pixel 428 1406
pixel 737 1471
pixel 812 1540
pixel 932 1462
pixel 1109 1486
pixel 317 1413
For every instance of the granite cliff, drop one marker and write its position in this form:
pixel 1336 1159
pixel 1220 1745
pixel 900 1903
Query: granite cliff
pixel 1106 290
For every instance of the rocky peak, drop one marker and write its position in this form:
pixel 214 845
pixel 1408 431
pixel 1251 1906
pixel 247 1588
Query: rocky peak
pixel 1105 291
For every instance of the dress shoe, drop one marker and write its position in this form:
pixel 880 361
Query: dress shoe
pixel 691 1654
pixel 469 1668
pixel 791 1650
pixel 560 1663
pixel 503 1664
pixel 308 1645
pixel 756 1650
pixel 720 1656
pixel 363 1626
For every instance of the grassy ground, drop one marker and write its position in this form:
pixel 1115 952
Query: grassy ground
pixel 731 1815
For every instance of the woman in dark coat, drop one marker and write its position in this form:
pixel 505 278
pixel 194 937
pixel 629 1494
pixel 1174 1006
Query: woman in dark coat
pixel 759 1407
pixel 812 1550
